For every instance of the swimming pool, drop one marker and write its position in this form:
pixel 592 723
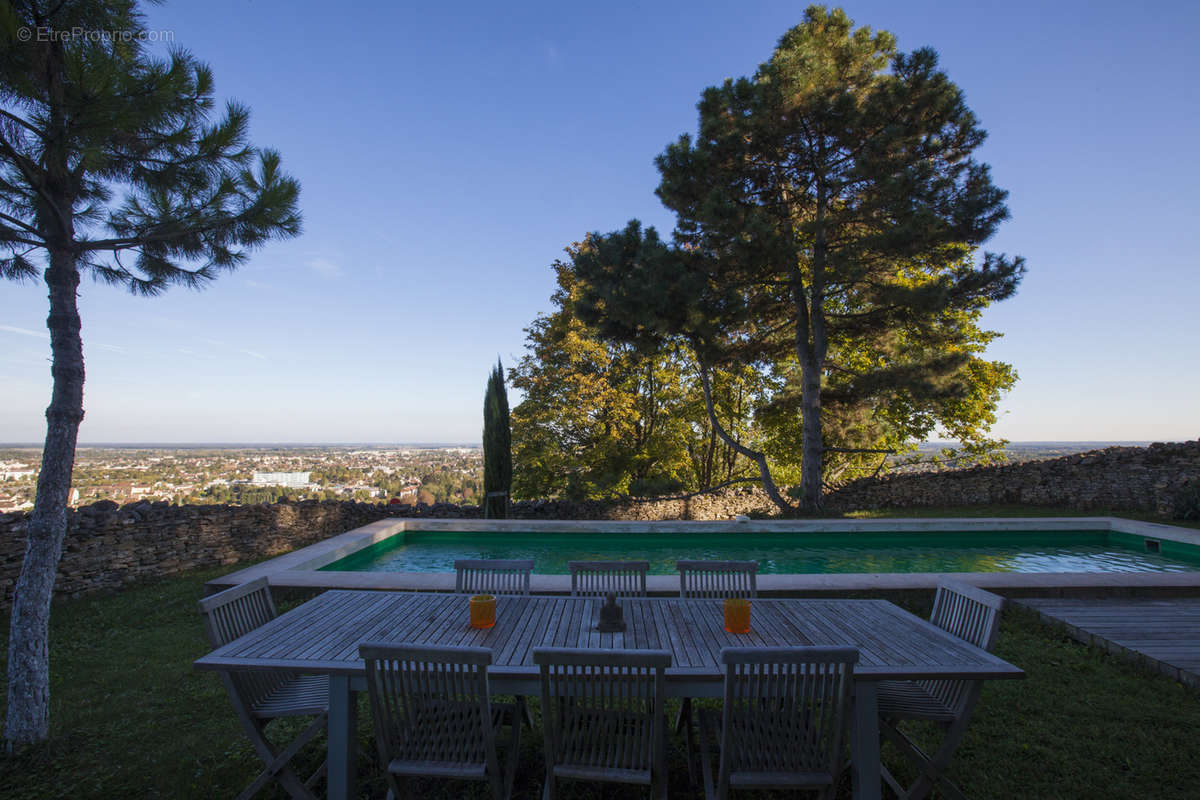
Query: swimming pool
pixel 797 557
pixel 782 552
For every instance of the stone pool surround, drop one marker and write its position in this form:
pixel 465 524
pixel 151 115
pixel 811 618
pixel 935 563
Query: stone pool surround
pixel 300 569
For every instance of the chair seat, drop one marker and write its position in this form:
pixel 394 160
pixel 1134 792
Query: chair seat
pixel 910 700
pixel 768 780
pixel 642 777
pixel 441 719
pixel 787 733
pixel 596 738
pixel 438 769
pixel 303 695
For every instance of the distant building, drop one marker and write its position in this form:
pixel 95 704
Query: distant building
pixel 292 480
pixel 8 504
pixel 123 492
pixel 15 470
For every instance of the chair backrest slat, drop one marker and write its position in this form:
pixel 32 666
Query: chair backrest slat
pixel 598 578
pixel 430 704
pixel 785 709
pixel 603 708
pixel 492 575
pixel 717 579
pixel 231 614
pixel 972 615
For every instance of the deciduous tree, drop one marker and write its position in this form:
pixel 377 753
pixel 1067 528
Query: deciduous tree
pixel 602 418
pixel 111 164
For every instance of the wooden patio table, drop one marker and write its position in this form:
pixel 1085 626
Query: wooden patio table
pixel 322 635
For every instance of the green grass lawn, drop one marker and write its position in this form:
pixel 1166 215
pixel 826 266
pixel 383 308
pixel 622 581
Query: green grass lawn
pixel 131 718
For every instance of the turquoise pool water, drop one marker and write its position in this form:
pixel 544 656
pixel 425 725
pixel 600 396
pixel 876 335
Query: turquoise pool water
pixel 824 553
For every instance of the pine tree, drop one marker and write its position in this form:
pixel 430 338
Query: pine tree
pixel 497 446
pixel 111 166
pixel 828 214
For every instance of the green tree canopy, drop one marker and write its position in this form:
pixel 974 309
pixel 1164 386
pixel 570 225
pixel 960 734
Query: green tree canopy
pixel 602 418
pixel 828 217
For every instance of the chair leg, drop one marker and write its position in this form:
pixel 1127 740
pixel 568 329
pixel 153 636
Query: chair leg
pixel 658 758
pixel 685 712
pixel 514 748
pixel 706 737
pixel 931 767
pixel 316 776
pixel 397 787
pixel 891 781
pixel 689 742
pixel 277 760
pixel 526 714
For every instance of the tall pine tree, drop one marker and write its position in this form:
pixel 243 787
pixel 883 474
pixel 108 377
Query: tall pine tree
pixel 110 166
pixel 497 446
pixel 830 205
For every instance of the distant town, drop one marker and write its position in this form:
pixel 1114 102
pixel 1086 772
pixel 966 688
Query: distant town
pixel 242 474
pixel 253 474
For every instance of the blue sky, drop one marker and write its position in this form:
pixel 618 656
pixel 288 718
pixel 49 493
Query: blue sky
pixel 448 153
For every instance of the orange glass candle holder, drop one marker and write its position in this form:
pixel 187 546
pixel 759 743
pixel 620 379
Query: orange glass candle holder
pixel 483 611
pixel 737 615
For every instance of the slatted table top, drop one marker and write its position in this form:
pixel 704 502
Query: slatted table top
pixel 322 635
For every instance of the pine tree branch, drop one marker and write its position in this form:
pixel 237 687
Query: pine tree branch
pixel 20 224
pixel 28 170
pixel 9 115
pixel 129 242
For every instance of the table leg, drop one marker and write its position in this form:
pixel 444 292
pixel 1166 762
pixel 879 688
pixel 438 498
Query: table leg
pixel 343 732
pixel 865 742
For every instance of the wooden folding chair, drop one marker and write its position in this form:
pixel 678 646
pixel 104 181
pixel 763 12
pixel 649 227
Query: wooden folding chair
pixel 717 579
pixel 782 721
pixel 602 716
pixel 711 580
pixel 433 716
pixel 598 578
pixel 970 614
pixel 498 577
pixel 260 696
pixel 492 576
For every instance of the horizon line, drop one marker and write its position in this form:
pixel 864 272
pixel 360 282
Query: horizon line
pixel 479 445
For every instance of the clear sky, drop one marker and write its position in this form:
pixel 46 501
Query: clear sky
pixel 448 152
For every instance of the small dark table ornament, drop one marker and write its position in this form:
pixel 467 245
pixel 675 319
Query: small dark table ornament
pixel 612 619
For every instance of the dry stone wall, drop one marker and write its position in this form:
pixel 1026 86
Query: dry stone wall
pixel 1158 479
pixel 108 546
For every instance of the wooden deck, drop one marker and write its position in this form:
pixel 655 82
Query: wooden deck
pixel 1163 634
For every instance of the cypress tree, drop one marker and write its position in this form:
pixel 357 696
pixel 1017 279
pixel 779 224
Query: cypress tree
pixel 497 446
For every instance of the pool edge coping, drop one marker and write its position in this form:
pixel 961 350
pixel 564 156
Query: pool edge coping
pixel 299 569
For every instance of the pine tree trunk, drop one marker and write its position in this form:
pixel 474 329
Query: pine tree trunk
pixel 28 645
pixel 811 442
pixel 811 348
